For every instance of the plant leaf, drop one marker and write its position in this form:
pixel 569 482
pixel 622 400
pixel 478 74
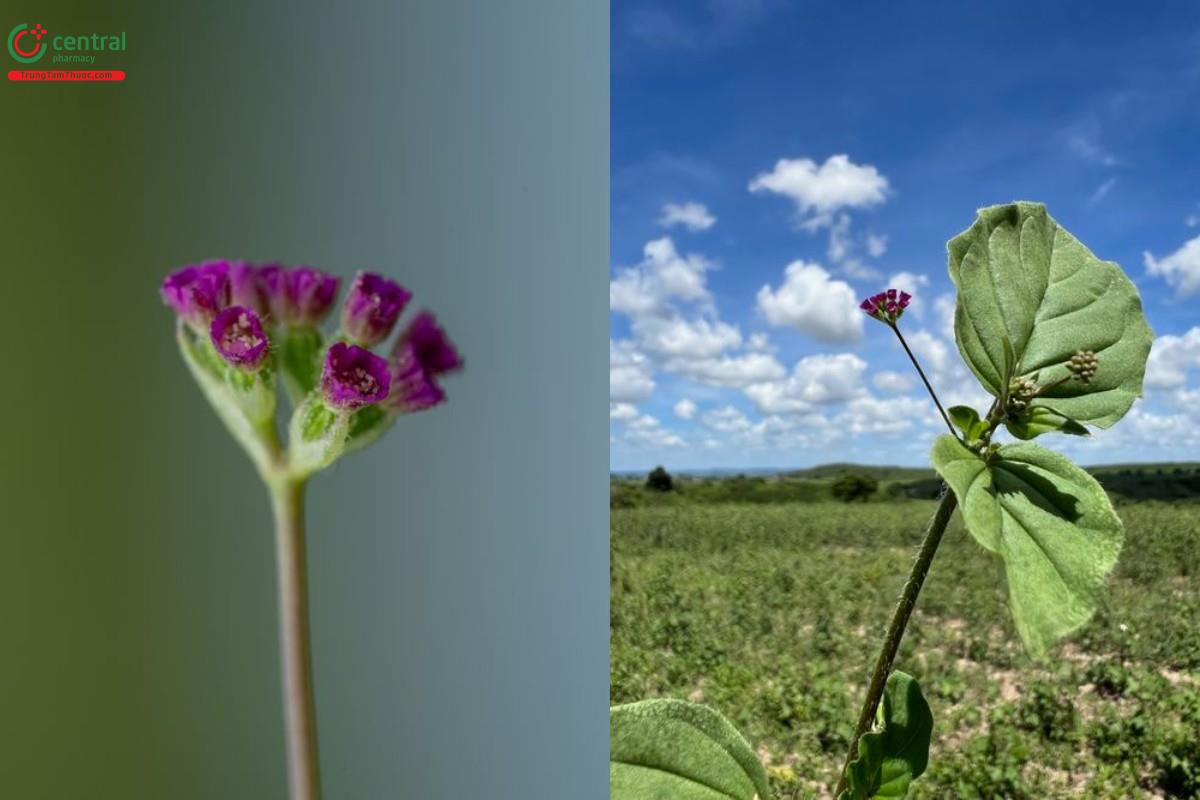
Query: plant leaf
pixel 967 420
pixel 1043 419
pixel 1050 522
pixel 299 361
pixel 892 757
pixel 661 749
pixel 1021 277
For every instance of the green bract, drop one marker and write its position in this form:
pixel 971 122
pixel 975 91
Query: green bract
pixel 1049 521
pixel 660 749
pixel 890 758
pixel 1022 278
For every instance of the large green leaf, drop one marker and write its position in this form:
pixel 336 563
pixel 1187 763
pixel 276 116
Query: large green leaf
pixel 892 757
pixel 1049 521
pixel 1023 279
pixel 674 750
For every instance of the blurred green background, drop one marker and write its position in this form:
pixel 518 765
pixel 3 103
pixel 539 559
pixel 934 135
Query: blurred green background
pixel 458 568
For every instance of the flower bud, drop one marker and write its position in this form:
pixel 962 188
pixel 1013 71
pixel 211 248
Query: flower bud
pixel 426 342
pixel 245 288
pixel 1083 365
pixel 197 293
pixel 887 306
pixel 238 336
pixel 371 308
pixel 272 289
pixel 309 296
pixel 353 377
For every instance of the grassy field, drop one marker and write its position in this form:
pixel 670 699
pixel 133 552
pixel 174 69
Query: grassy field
pixel 772 613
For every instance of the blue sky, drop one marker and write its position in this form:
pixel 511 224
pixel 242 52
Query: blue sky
pixel 773 162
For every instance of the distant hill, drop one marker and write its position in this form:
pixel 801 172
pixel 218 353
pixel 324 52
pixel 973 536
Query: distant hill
pixel 1147 481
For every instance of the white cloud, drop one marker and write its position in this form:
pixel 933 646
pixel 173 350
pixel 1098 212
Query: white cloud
pixel 1170 359
pixel 811 302
pixel 1102 191
pixel 662 275
pixel 630 379
pixel 910 282
pixel 893 415
pixel 693 216
pixel 815 380
pixel 891 381
pixel 1180 269
pixel 876 245
pixel 820 190
pixel 726 420
pixel 730 372
pixel 677 337
pixel 930 350
pixel 685 409
pixel 622 412
pixel 1192 220
pixel 839 238
pixel 944 307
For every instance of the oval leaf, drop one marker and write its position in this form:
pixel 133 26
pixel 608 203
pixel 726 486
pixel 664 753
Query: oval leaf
pixel 660 749
pixel 891 758
pixel 1022 279
pixel 1049 521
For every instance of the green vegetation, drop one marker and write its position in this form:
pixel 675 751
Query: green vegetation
pixel 769 610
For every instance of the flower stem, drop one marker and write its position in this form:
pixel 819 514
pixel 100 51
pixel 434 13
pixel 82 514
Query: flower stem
pixel 900 617
pixel 921 372
pixel 287 496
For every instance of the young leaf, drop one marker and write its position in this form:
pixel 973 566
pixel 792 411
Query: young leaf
pixel 679 750
pixel 1022 278
pixel 1049 521
pixel 1043 419
pixel 967 420
pixel 891 758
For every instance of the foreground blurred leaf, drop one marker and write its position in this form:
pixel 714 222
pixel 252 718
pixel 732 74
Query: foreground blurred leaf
pixel 1049 521
pixel 894 755
pixel 1022 279
pixel 674 750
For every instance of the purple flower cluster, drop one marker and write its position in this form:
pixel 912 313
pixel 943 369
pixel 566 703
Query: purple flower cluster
pixel 234 303
pixel 886 306
pixel 421 354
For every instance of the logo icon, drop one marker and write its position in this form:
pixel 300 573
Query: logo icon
pixel 25 43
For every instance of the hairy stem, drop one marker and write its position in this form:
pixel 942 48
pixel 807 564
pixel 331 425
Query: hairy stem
pixel 928 385
pixel 895 633
pixel 300 716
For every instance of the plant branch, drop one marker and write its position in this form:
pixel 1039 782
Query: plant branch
pixel 287 496
pixel 921 372
pixel 895 633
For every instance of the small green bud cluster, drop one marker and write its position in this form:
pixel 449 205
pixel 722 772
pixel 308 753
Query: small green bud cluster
pixel 1020 393
pixel 1083 365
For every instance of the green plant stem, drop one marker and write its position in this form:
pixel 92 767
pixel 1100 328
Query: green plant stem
pixel 300 718
pixel 895 633
pixel 928 385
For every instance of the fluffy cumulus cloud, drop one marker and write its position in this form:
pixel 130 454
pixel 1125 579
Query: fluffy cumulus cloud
pixel 677 337
pixel 1170 359
pixel 693 216
pixel 1181 269
pixel 815 380
pixel 894 382
pixel 622 412
pixel 813 303
pixel 728 371
pixel 820 190
pixel 726 420
pixel 685 409
pixel 663 275
pixel 630 375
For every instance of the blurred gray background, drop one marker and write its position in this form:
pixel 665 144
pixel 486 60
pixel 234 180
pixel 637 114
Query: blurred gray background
pixel 458 568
